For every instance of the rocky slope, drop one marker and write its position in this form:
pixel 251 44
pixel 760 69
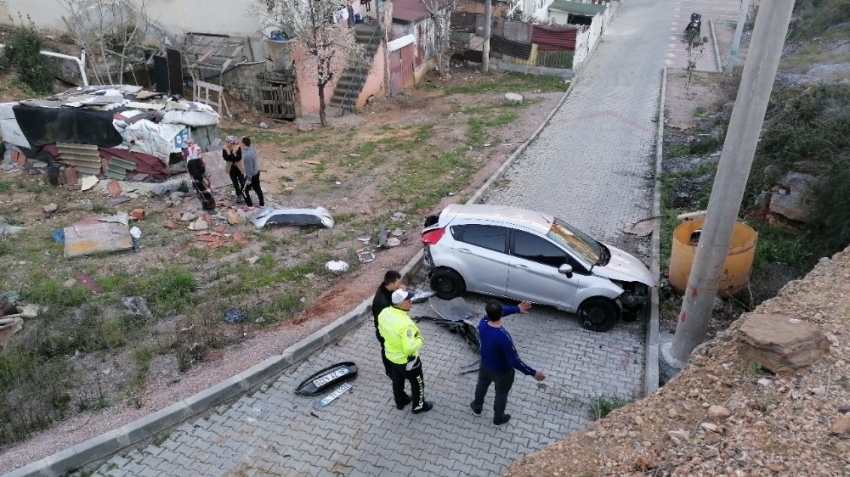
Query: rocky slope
pixel 725 415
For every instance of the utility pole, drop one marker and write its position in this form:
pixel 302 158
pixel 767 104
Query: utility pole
pixel 736 40
pixel 488 20
pixel 732 173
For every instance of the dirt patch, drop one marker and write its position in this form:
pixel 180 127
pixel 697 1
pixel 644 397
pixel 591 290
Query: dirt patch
pixel 776 424
pixel 411 155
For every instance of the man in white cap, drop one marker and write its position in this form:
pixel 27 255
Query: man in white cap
pixel 402 342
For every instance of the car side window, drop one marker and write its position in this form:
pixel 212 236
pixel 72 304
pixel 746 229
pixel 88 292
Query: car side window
pixel 486 236
pixel 457 231
pixel 533 248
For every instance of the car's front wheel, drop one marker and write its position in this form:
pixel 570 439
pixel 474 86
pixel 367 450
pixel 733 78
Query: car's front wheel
pixel 598 314
pixel 448 284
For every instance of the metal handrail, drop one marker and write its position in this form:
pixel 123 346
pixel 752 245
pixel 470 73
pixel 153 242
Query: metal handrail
pixel 358 73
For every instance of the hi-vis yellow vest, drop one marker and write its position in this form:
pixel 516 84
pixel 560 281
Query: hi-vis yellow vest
pixel 401 336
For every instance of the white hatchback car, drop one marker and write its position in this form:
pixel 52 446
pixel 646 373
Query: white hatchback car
pixel 525 255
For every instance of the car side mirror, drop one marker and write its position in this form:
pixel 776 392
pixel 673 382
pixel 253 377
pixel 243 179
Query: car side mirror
pixel 566 270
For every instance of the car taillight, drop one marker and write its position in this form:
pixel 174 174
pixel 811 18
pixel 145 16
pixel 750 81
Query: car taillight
pixel 433 236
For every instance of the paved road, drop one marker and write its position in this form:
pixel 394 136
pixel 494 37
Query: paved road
pixel 591 166
pixel 717 10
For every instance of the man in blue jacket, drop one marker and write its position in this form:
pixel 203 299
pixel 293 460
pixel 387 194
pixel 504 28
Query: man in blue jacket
pixel 499 358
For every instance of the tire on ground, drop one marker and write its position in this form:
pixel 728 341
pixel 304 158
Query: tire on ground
pixel 447 283
pixel 598 314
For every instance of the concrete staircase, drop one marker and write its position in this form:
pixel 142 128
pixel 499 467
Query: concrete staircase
pixel 353 78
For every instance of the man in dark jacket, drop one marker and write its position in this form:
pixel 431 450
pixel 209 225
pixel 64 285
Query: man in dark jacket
pixel 383 299
pixel 499 358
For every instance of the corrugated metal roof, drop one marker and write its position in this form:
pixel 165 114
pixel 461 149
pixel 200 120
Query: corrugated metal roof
pixel 584 9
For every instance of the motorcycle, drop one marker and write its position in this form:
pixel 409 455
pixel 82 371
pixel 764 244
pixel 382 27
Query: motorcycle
pixel 695 24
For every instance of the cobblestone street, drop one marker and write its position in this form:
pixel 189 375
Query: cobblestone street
pixel 592 167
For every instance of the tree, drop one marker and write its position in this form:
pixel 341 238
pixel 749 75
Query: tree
pixel 328 47
pixel 695 48
pixel 22 53
pixel 115 30
pixel 440 12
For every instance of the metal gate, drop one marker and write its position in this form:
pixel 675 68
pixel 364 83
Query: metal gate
pixel 401 69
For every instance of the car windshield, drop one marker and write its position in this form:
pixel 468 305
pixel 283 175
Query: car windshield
pixel 575 240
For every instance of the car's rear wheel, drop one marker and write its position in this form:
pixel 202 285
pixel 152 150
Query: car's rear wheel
pixel 447 283
pixel 598 314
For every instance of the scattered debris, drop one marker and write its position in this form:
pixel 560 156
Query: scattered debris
pixel 199 224
pixel 398 232
pixel 264 126
pixel 337 266
pixel 188 217
pixel 320 381
pixel 421 296
pixel 235 315
pixel 364 239
pixel 117 200
pixel 398 217
pixel 87 281
pixel 393 242
pixel 289 177
pixel 8 327
pixel 84 205
pixel 313 163
pixel 88 182
pixel 136 235
pixel 59 236
pixel 6 229
pixel 459 318
pixel 513 97
pixel 233 217
pixel 301 217
pixel 113 187
pixel 382 238
pixel 96 235
pixel 641 228
pixel 366 257
pixel 137 305
pixel 137 214
pixel 50 208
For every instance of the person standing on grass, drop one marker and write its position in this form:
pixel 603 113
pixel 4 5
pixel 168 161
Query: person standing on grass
pixel 382 300
pixel 232 155
pixel 499 358
pixel 402 342
pixel 252 172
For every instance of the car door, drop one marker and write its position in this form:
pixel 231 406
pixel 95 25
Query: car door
pixel 481 251
pixel 533 275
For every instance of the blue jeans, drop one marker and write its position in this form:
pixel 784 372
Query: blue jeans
pixel 503 383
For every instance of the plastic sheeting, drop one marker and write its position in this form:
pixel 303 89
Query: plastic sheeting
pixel 42 126
pixel 191 118
pixel 159 140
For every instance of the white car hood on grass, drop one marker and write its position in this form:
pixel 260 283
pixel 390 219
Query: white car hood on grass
pixel 625 268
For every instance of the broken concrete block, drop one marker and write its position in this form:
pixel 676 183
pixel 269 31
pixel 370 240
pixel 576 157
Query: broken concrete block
pixel 781 343
pixel 137 214
pixel 50 208
pixel 88 182
pixel 199 224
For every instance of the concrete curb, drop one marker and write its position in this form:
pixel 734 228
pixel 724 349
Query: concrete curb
pixel 716 48
pixel 104 445
pixel 650 374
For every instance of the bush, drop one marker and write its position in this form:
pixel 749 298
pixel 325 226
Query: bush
pixel 606 403
pixel 22 53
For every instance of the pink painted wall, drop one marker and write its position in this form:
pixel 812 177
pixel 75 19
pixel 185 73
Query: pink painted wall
pixel 308 92
pixel 375 81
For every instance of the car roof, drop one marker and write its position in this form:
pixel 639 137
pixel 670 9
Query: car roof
pixel 525 218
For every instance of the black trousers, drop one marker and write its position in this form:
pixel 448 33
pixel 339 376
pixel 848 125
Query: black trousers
pixel 503 382
pixel 388 365
pixel 255 185
pixel 204 193
pixel 238 179
pixel 417 383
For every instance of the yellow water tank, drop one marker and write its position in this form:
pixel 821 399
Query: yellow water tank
pixel 739 259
